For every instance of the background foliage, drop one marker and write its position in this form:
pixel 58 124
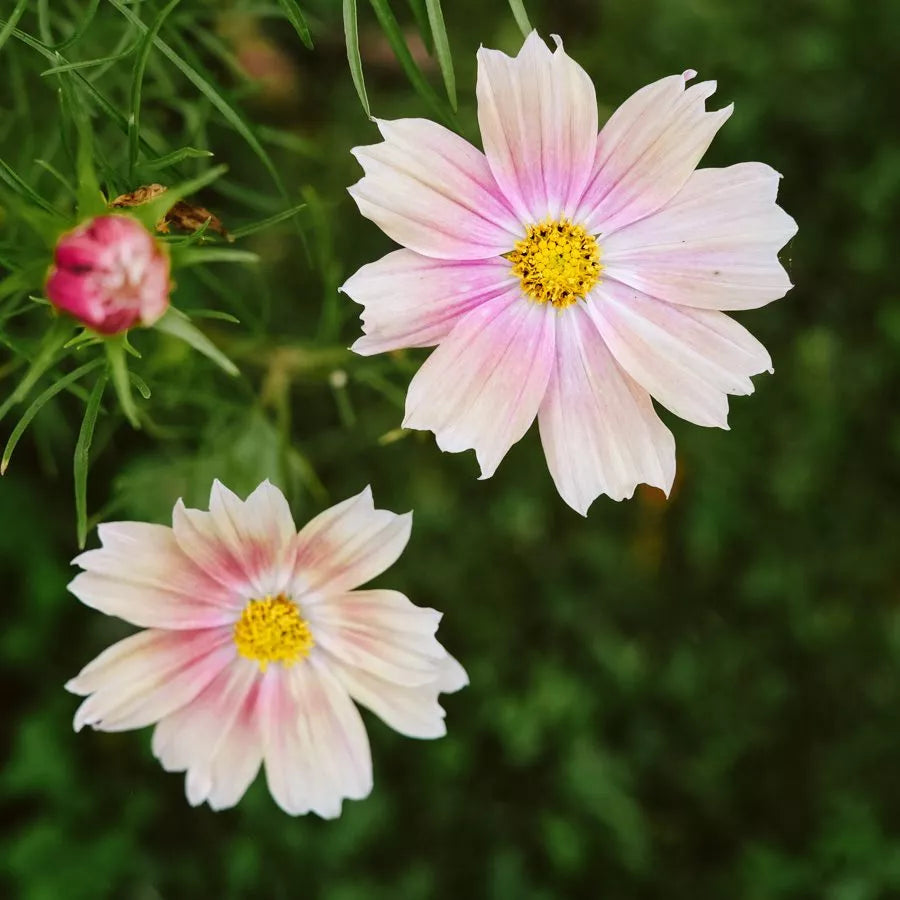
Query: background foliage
pixel 688 699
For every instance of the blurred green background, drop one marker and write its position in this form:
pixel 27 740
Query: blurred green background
pixel 696 698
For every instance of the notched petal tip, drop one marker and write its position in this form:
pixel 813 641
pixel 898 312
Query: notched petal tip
pixel 452 677
pixel 488 469
pixel 219 492
pixel 179 509
pixel 72 687
pixel 366 494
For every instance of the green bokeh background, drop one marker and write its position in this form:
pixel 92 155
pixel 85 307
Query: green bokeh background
pixel 687 699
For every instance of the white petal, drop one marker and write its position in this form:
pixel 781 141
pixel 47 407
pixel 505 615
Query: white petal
pixel 413 301
pixel 599 430
pixel 413 711
pixel 688 359
pixel 647 150
pixel 145 677
pixel 433 192
pixel 452 677
pixel 382 632
pixel 538 119
pixel 714 245
pixel 481 388
pixel 348 545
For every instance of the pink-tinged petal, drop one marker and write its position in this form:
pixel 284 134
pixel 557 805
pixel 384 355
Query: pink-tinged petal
pixel 381 632
pixel 146 605
pixel 413 711
pixel 481 388
pixel 599 430
pixel 147 676
pixel 647 150
pixel 215 738
pixel 348 545
pixel 538 118
pixel 238 759
pixel 414 301
pixel 688 359
pixel 244 546
pixel 335 727
pixel 714 245
pixel 259 531
pixel 290 769
pixel 433 192
pixel 316 747
pixel 141 575
pixel 190 735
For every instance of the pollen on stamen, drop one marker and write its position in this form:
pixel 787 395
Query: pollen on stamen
pixel 272 630
pixel 557 262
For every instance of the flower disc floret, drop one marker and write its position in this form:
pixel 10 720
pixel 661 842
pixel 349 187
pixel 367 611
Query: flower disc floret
pixel 272 630
pixel 557 262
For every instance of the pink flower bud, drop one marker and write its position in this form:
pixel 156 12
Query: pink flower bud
pixel 110 273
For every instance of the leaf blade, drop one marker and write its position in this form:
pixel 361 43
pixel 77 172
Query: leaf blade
pixel 50 346
pixel 178 325
pixel 253 227
pixel 521 17
pixel 442 48
pixel 39 402
pixel 10 23
pixel 351 36
pixel 81 459
pixel 226 110
pixel 137 83
pixel 118 368
pixel 395 38
pixel 294 15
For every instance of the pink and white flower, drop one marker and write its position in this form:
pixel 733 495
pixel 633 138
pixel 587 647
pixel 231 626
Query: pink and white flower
pixel 256 643
pixel 569 276
pixel 111 274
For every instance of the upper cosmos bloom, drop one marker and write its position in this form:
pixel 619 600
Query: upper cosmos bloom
pixel 110 273
pixel 569 276
pixel 256 640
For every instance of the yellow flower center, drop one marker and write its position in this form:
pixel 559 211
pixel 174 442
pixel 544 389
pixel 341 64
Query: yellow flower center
pixel 272 630
pixel 557 262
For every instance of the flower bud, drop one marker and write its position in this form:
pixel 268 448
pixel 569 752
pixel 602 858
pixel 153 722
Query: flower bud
pixel 111 274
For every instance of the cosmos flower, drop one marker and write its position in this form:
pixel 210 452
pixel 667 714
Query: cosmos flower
pixel 256 640
pixel 567 276
pixel 110 273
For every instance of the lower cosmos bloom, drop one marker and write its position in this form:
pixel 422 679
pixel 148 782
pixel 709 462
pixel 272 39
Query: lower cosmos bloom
pixel 257 643
pixel 111 274
pixel 569 276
